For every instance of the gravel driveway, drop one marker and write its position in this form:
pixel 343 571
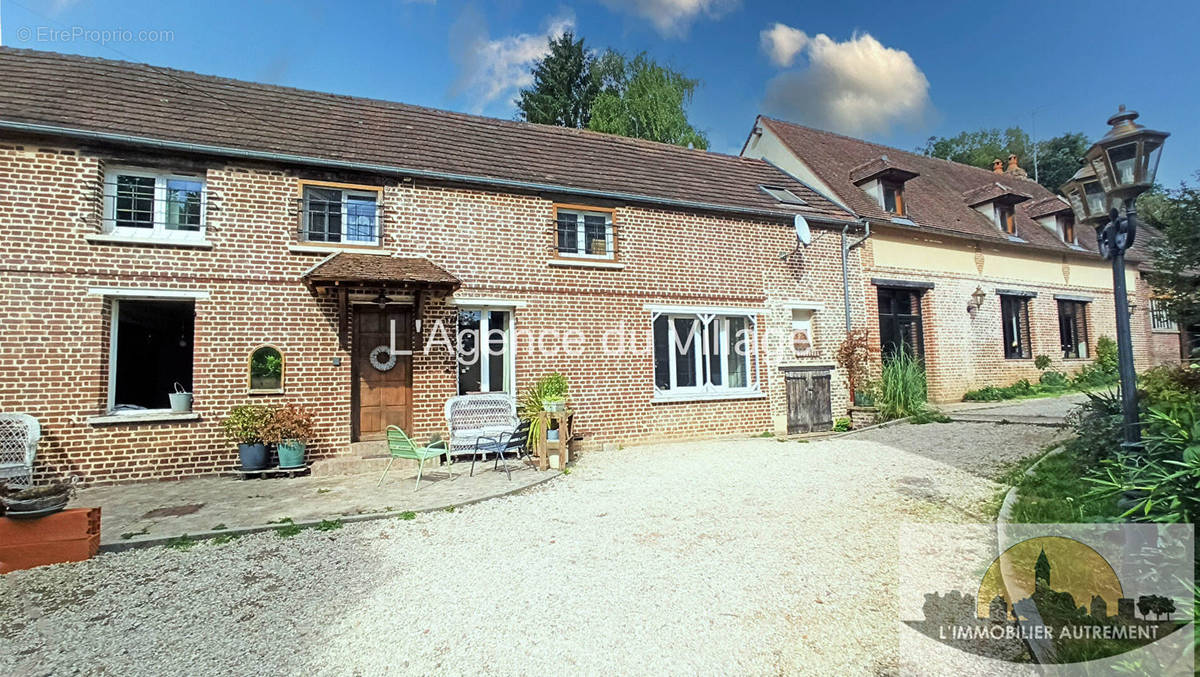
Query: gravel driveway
pixel 717 557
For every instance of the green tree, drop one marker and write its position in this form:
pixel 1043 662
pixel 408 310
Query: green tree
pixel 1176 254
pixel 642 99
pixel 1057 158
pixel 981 147
pixel 564 87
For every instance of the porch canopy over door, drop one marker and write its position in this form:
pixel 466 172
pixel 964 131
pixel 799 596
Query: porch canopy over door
pixel 342 273
pixel 379 329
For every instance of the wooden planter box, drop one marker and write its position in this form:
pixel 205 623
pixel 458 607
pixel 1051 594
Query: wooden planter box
pixel 67 536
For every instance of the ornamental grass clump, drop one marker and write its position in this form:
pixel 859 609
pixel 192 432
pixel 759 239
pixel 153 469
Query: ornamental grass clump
pixel 901 390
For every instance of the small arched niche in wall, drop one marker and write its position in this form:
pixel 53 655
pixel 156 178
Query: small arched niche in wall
pixel 266 371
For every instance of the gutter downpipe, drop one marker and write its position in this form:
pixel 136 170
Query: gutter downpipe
pixel 846 247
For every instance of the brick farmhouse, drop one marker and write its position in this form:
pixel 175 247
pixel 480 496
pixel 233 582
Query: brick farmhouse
pixel 163 230
pixel 979 271
pixel 161 227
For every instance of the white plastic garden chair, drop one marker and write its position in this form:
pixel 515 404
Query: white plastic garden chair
pixel 19 435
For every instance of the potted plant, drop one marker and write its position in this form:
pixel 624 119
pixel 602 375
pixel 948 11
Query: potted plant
pixel 290 428
pixel 244 425
pixel 854 357
pixel 549 393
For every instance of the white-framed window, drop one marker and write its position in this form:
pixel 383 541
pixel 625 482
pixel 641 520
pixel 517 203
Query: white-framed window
pixel 149 204
pixel 704 354
pixel 150 351
pixel 485 350
pixel 1160 319
pixel 333 214
pixel 583 233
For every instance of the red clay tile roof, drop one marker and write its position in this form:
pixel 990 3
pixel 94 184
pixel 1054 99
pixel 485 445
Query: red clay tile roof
pixel 118 97
pixel 932 200
pixel 354 267
pixel 994 192
pixel 880 165
pixel 1047 206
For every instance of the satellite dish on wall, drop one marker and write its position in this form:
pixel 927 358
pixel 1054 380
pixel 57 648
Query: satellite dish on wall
pixel 802 231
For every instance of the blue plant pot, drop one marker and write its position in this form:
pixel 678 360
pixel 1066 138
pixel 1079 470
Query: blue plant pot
pixel 253 456
pixel 291 454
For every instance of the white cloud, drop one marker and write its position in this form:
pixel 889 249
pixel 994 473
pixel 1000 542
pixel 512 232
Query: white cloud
pixel 673 18
pixel 855 87
pixel 782 43
pixel 490 69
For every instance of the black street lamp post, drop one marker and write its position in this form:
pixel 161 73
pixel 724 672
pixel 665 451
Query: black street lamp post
pixel 1117 169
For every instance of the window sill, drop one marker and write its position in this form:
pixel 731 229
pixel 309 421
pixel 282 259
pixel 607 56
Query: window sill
pixel 150 416
pixel 256 393
pixel 334 248
pixel 186 243
pixel 585 263
pixel 1172 332
pixel 704 397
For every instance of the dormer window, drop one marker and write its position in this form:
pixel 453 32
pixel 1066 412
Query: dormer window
pixel 893 197
pixel 1006 215
pixel 884 180
pixel 1066 224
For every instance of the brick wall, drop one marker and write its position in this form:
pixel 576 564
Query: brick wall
pixel 965 350
pixel 54 341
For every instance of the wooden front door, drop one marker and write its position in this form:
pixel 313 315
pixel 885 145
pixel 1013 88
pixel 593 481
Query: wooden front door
pixel 808 401
pixel 381 393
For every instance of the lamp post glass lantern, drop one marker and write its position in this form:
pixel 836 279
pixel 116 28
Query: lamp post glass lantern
pixel 1118 168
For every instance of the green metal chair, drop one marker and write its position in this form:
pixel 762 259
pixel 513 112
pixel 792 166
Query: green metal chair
pixel 400 446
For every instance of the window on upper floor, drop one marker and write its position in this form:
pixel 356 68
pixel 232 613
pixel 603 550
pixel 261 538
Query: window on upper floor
pixel 1066 228
pixel 1006 215
pixel 893 197
pixel 584 233
pixel 151 204
pixel 1015 316
pixel 340 214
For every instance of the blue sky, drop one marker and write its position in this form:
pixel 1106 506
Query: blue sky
pixel 891 72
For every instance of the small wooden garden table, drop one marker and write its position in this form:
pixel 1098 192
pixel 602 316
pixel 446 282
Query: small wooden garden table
pixel 562 445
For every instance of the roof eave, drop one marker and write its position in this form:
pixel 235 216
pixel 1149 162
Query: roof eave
pixel 290 158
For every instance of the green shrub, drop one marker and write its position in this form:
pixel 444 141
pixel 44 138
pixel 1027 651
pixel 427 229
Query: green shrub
pixel 901 391
pixel 1054 380
pixel 1097 426
pixel 1164 385
pixel 984 394
pixel 841 425
pixel 1041 362
pixel 245 423
pixel 928 415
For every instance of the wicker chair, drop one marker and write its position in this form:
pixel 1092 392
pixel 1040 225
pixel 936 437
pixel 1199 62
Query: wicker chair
pixel 471 417
pixel 19 435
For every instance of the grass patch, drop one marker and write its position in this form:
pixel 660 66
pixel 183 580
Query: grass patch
pixel 288 529
pixel 223 539
pixel 928 415
pixel 220 527
pixel 324 490
pixel 130 534
pixel 408 515
pixel 448 508
pixel 765 433
pixel 183 542
pixel 1056 491
pixel 328 525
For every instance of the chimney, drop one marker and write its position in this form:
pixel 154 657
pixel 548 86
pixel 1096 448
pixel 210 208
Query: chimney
pixel 1014 169
pixel 997 166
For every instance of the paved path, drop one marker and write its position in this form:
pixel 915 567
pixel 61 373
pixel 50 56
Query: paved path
pixel 137 514
pixel 720 557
